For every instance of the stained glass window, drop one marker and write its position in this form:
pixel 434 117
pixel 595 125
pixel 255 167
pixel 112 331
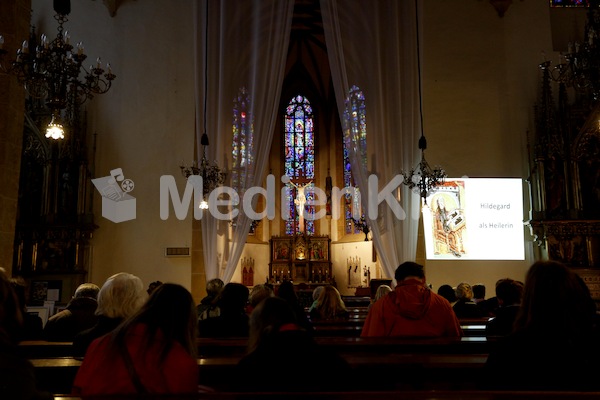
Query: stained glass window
pixel 299 164
pixel 569 3
pixel 242 146
pixel 355 134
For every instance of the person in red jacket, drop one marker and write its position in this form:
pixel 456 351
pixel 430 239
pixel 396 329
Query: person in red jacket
pixel 154 351
pixel 411 309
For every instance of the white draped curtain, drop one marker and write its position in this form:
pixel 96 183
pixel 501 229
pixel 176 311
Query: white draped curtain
pixel 373 45
pixel 247 47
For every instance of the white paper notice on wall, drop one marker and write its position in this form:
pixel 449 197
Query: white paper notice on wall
pixel 53 295
pixel 475 219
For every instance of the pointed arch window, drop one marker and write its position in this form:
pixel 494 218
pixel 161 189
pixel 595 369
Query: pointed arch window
pixel 242 143
pixel 355 134
pixel 299 163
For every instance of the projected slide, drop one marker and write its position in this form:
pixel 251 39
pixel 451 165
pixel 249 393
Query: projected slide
pixel 475 219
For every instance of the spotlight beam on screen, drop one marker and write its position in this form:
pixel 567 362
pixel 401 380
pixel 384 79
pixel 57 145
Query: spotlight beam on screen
pixel 475 219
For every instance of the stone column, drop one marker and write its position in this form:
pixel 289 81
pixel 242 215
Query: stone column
pixel 14 22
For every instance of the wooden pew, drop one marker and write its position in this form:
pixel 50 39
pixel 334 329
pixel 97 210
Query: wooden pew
pixel 45 349
pixel 374 370
pixel 208 347
pixel 371 395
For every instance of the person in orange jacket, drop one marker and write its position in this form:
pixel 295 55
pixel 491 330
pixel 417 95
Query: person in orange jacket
pixel 411 309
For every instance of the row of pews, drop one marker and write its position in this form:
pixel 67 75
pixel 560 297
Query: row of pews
pixel 400 368
pixel 389 363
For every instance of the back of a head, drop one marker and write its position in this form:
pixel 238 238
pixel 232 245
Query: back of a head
pixel 382 290
pixel 11 317
pixel 266 319
pixel 259 293
pixel 89 290
pixel 447 292
pixel 464 291
pixel 152 286
pixel 171 310
pixel 214 287
pixel 233 298
pixel 330 302
pixel 407 269
pixel 286 291
pixel 556 300
pixel 121 295
pixel 509 291
pixel 479 291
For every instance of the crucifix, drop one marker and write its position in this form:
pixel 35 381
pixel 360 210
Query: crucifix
pixel 300 183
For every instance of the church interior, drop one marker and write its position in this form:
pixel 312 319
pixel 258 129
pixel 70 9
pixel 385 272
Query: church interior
pixel 289 98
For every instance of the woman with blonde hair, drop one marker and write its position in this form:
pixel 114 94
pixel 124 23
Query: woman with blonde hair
pixel 121 295
pixel 381 291
pixel 330 306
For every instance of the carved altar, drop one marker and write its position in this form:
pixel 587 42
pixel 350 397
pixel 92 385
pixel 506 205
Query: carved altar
pixel 565 182
pixel 301 259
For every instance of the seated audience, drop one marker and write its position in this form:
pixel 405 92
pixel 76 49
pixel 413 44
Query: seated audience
pixel 553 346
pixel 120 297
pixel 208 305
pixel 78 316
pixel 465 307
pixel 508 293
pixel 233 319
pixel 33 327
pixel 153 351
pixel 284 357
pixel 330 306
pixel 257 294
pixel 412 309
pixel 17 375
pixel 288 293
pixel 381 291
pixel 447 292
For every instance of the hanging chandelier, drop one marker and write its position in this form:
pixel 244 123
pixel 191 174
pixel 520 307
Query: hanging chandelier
pixel 422 179
pixel 579 66
pixel 50 70
pixel 211 174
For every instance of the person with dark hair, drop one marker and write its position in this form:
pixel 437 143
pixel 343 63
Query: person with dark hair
pixel 447 292
pixel 208 305
pixel 78 316
pixel 287 292
pixel 412 309
pixel 508 293
pixel 232 320
pixel 152 286
pixel 120 297
pixel 33 327
pixel 554 345
pixel 153 351
pixel 17 375
pixel 478 292
pixel 281 353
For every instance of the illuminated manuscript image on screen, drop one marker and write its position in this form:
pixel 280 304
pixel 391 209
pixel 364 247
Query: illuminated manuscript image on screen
pixel 448 216
pixel 475 219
